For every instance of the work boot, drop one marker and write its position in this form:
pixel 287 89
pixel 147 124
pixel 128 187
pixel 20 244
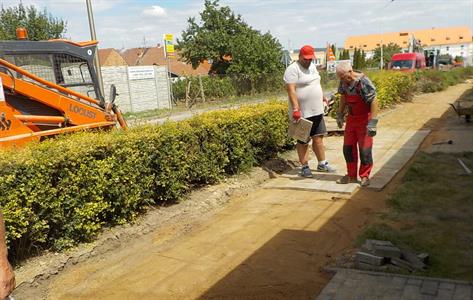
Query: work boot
pixel 346 179
pixel 325 167
pixel 305 172
pixel 365 181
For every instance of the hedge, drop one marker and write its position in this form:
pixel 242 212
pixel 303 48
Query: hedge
pixel 394 87
pixel 63 191
pixel 435 80
pixel 218 87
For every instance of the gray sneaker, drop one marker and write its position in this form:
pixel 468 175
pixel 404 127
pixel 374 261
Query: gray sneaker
pixel 305 172
pixel 326 168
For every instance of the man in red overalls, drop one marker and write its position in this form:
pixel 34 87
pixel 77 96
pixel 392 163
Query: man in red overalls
pixel 358 96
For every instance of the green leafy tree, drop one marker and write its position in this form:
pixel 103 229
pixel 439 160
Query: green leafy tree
pixel 39 24
pixel 232 45
pixel 388 51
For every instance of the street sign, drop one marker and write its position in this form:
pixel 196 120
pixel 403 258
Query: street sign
pixel 168 45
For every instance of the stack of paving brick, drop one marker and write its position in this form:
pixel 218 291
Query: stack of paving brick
pixel 379 255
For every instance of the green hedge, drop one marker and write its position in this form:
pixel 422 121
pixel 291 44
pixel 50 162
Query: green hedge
pixel 394 87
pixel 435 80
pixel 63 191
pixel 218 87
pixel 391 87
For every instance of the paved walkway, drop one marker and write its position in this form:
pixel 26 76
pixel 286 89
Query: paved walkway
pixel 354 284
pixel 391 151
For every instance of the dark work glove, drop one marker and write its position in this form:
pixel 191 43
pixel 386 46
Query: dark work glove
pixel 296 115
pixel 371 127
pixel 340 119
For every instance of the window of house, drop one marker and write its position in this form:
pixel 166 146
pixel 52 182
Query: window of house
pixel 351 47
pixel 432 40
pixel 461 38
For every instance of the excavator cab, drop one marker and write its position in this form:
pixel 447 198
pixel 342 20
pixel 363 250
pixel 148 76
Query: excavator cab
pixel 51 87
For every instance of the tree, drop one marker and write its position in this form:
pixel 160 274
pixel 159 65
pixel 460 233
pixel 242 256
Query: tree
pixel 356 58
pixel 231 44
pixel 40 25
pixel 362 59
pixel 345 54
pixel 388 51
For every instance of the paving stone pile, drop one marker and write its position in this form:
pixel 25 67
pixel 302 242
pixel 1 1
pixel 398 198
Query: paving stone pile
pixel 376 255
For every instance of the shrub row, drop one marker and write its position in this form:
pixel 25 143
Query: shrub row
pixel 218 87
pixel 394 87
pixel 63 191
pixel 391 87
pixel 435 80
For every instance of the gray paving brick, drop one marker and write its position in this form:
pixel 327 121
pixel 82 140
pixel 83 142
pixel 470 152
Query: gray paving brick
pixel 350 283
pixel 462 292
pixel 354 285
pixel 444 294
pixel 446 286
pixel 387 251
pixel 429 287
pixel 344 294
pixel 398 282
pixel 392 295
pixel 331 288
pixel 411 292
pixel 414 281
pixel 324 297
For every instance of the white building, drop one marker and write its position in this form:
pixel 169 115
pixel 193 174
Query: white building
pixel 456 41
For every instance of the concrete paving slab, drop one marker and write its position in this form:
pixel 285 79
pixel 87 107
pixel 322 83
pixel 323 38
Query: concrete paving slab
pixel 378 285
pixel 391 152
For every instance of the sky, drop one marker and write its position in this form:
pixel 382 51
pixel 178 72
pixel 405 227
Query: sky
pixel 137 23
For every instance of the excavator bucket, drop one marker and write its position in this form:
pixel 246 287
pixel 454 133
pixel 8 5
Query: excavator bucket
pixel 48 88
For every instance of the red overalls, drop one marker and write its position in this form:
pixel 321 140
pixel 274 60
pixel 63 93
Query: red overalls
pixel 356 136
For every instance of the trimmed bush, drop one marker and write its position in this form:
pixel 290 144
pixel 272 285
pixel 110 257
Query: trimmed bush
pixel 63 191
pixel 429 81
pixel 394 87
pixel 217 87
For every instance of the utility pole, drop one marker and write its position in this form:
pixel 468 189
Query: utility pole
pixel 93 36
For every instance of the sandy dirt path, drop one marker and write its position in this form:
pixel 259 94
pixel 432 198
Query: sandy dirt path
pixel 264 244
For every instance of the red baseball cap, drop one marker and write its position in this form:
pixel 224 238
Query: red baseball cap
pixel 307 52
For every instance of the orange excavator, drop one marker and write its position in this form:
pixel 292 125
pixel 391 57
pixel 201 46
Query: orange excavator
pixel 51 87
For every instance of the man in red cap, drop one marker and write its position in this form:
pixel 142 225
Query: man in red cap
pixel 306 101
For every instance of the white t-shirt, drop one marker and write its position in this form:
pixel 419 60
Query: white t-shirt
pixel 308 90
